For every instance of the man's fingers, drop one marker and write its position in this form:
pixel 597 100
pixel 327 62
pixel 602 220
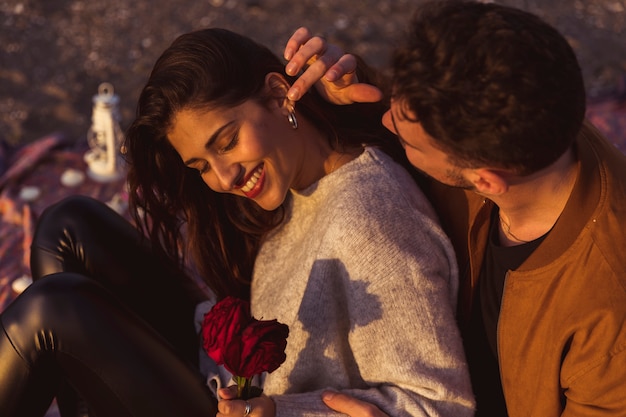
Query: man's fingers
pixel 364 93
pixel 339 92
pixel 326 66
pixel 330 67
pixel 304 82
pixel 299 38
pixel 336 63
pixel 351 406
pixel 306 54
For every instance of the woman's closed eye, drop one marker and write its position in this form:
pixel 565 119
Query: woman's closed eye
pixel 231 144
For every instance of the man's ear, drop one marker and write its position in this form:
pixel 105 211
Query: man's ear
pixel 489 181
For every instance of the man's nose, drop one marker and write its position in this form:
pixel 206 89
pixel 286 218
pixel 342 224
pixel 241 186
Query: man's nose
pixel 387 122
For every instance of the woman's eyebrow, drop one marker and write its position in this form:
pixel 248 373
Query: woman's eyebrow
pixel 211 140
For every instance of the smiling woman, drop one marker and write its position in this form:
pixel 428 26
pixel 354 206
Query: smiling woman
pixel 306 212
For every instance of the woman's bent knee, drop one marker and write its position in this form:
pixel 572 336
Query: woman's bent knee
pixel 68 212
pixel 48 311
pixel 74 230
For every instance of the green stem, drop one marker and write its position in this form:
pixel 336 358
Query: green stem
pixel 243 387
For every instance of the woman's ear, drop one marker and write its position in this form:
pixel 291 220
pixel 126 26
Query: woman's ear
pixel 278 86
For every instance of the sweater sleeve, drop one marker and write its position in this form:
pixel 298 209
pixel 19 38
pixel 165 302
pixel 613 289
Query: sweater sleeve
pixel 395 301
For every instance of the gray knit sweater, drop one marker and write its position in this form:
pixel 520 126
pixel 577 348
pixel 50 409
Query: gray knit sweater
pixel 367 281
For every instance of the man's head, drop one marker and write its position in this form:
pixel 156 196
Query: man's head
pixel 488 86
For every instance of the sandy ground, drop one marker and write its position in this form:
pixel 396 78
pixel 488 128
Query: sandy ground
pixel 55 53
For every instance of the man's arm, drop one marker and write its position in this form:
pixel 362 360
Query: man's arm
pixel 326 66
pixel 346 404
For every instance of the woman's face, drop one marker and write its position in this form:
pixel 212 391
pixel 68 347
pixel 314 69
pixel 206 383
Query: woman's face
pixel 249 150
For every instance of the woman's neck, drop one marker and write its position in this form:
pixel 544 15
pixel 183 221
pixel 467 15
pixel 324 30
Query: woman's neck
pixel 320 159
pixel 338 158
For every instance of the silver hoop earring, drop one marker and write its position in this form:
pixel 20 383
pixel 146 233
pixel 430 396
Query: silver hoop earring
pixel 291 117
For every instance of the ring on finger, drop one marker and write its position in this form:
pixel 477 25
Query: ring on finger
pixel 247 410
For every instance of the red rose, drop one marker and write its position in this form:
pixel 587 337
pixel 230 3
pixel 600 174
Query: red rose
pixel 244 345
pixel 261 348
pixel 223 325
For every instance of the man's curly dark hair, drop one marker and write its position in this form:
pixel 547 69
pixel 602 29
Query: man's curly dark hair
pixel 494 86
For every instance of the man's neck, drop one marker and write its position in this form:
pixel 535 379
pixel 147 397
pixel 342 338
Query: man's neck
pixel 532 204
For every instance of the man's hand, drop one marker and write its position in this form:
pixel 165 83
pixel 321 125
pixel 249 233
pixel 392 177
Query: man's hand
pixel 351 406
pixel 326 66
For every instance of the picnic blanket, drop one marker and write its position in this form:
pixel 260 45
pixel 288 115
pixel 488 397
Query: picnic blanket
pixel 42 163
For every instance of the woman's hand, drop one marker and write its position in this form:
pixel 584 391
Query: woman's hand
pixel 230 406
pixel 326 66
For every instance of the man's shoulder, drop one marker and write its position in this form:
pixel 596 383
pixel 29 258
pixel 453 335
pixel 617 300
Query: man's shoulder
pixel 607 225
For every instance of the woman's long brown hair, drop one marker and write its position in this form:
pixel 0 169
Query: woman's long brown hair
pixel 218 235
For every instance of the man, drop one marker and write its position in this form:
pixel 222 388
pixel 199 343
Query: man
pixel 489 101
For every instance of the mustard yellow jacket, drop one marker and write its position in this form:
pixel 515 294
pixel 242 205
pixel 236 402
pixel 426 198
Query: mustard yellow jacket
pixel 562 325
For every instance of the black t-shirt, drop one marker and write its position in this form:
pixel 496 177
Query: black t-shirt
pixel 481 342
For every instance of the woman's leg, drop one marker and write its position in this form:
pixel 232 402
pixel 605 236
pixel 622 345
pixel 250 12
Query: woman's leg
pixel 83 235
pixel 69 327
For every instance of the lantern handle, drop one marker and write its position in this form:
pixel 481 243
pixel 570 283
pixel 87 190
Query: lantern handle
pixel 105 89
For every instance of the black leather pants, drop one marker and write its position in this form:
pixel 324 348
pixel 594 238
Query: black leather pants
pixel 104 317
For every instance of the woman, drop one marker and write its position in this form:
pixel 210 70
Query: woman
pixel 299 210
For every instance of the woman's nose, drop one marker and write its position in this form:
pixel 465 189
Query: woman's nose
pixel 227 174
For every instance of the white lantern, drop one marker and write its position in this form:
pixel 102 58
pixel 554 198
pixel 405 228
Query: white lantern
pixel 105 137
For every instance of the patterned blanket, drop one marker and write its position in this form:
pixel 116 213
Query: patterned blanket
pixel 30 180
